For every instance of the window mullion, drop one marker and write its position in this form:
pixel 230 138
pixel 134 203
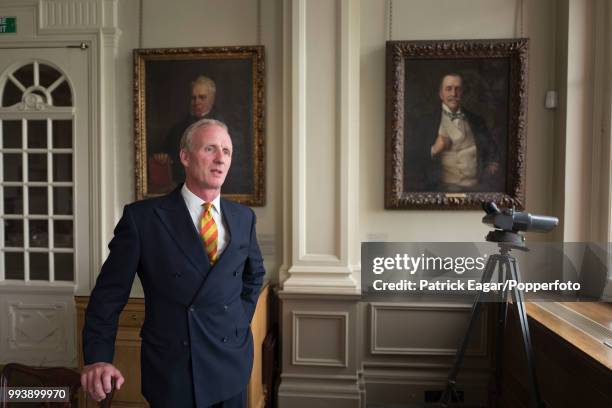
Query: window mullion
pixel 36 74
pixel 26 202
pixel 50 201
pixel 2 241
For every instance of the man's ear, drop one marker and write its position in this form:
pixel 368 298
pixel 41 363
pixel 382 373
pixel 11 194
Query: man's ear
pixel 184 156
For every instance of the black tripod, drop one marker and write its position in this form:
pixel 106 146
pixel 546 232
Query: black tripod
pixel 507 268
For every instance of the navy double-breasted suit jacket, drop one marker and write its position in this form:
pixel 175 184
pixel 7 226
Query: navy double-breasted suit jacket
pixel 197 346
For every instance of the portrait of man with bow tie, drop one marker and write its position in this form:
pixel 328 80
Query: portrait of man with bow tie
pixel 456 123
pixel 449 147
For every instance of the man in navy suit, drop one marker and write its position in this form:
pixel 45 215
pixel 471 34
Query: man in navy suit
pixel 200 293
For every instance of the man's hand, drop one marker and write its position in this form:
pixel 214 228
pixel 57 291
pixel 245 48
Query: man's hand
pixel 442 143
pixel 161 158
pixel 96 380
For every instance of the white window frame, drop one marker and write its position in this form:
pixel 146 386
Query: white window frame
pixel 27 110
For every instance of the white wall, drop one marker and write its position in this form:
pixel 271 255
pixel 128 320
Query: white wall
pixel 438 20
pixel 213 23
pixel 579 117
pixel 203 23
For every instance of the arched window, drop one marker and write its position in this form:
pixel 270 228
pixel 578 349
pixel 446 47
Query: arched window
pixel 36 174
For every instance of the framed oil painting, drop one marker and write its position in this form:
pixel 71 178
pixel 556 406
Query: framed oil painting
pixel 175 87
pixel 455 123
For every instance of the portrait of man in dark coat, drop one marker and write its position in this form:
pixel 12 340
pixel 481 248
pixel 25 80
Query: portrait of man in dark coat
pixel 450 147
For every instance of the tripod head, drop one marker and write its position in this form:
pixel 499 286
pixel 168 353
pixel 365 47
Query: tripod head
pixel 509 224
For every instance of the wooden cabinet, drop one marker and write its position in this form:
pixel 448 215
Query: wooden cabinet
pixel 569 374
pixel 127 352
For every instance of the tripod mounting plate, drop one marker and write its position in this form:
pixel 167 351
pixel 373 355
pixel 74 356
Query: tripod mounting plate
pixel 507 238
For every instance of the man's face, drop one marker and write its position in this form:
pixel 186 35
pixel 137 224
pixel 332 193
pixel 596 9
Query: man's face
pixel 202 100
pixel 451 92
pixel 209 159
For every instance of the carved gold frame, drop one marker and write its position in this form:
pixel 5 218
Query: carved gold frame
pixel 515 51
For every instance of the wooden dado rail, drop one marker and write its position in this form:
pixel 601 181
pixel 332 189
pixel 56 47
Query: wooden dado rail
pixel 127 352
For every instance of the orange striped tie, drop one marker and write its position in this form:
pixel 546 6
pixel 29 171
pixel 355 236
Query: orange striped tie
pixel 208 232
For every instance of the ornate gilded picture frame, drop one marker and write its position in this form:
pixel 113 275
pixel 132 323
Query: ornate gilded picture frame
pixel 173 88
pixel 456 123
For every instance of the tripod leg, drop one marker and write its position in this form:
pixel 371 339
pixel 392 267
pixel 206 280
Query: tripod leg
pixel 476 307
pixel 502 309
pixel 519 300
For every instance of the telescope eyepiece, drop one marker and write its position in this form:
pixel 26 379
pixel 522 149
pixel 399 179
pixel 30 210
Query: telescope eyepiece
pixel 490 207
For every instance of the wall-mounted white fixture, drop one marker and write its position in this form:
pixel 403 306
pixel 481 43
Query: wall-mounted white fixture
pixel 551 100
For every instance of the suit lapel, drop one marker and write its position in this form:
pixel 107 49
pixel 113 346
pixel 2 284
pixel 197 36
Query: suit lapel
pixel 175 217
pixel 232 223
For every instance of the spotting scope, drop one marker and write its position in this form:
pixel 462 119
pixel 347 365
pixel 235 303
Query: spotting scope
pixel 509 220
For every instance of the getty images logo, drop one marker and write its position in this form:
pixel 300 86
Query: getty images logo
pixel 412 264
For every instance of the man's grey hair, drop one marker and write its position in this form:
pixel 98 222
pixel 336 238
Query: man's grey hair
pixel 206 81
pixel 452 74
pixel 188 134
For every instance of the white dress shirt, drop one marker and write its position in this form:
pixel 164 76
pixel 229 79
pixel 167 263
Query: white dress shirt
pixel 194 205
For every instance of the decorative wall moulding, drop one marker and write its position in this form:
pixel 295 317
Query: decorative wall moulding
pixel 301 332
pixel 386 319
pixel 70 14
pixel 36 326
pixel 38 330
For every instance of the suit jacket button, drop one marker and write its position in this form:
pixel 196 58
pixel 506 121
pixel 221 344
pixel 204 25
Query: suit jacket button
pixel 225 307
pixel 224 339
pixel 235 273
pixel 191 309
pixel 185 343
